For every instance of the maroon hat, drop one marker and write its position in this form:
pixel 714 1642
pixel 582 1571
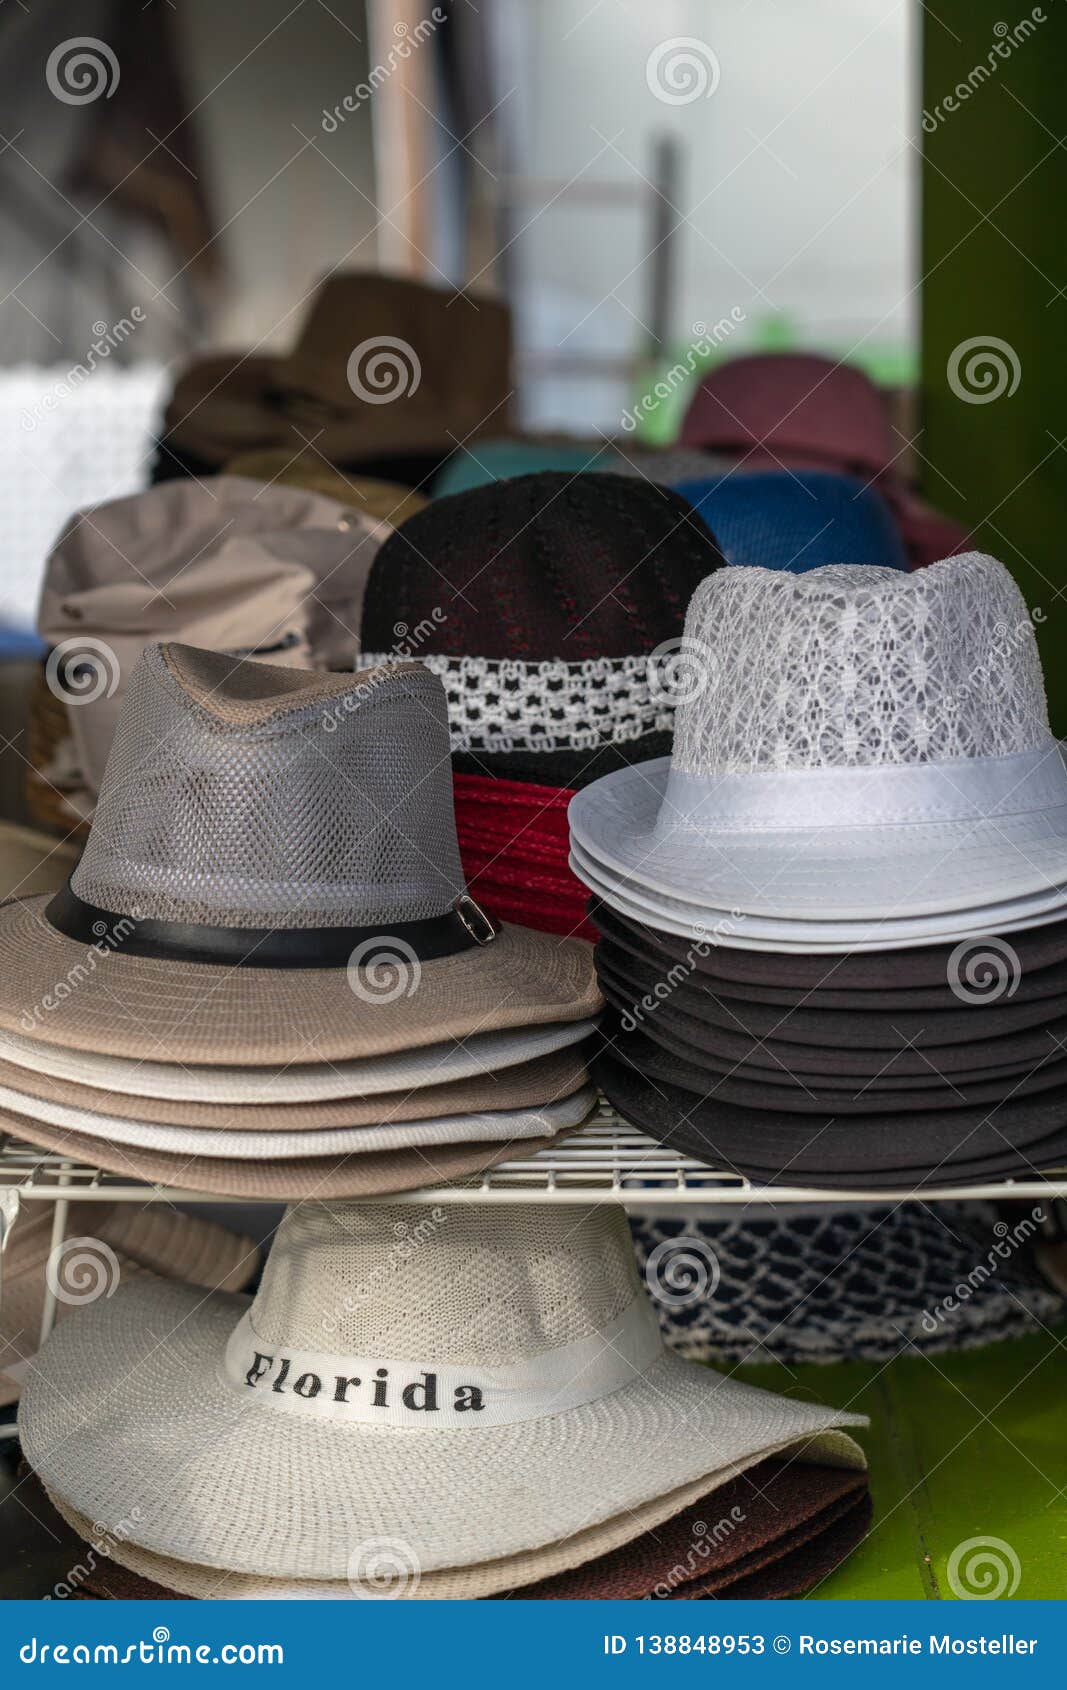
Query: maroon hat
pixel 802 411
pixel 550 566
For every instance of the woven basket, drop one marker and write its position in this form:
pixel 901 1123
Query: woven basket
pixel 46 728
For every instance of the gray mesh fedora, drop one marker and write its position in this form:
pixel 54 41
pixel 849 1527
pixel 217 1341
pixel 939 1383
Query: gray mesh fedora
pixel 272 877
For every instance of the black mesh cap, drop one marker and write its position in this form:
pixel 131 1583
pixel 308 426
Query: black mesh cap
pixel 556 565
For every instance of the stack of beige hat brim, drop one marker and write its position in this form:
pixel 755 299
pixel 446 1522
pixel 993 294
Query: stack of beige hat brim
pixel 434 1403
pixel 105 1244
pixel 265 977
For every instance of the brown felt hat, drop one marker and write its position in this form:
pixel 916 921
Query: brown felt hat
pixel 382 366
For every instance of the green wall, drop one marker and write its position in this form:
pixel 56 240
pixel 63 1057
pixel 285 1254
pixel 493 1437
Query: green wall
pixel 994 262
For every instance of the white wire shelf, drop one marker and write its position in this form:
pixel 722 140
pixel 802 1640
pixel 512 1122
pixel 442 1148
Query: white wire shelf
pixel 608 1160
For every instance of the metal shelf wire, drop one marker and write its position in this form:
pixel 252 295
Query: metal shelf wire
pixel 607 1160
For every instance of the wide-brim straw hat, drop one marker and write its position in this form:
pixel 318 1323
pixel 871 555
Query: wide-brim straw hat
pixel 557 1406
pixel 771 1508
pixel 273 877
pixel 857 745
pixel 105 1244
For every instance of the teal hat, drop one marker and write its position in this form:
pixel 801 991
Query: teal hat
pixel 500 460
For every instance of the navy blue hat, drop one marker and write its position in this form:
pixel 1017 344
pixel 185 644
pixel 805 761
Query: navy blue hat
pixel 796 520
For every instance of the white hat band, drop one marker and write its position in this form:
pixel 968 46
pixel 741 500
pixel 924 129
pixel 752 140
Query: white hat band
pixel 429 1395
pixel 966 789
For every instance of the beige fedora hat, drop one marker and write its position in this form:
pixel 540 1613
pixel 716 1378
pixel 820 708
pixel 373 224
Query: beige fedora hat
pixel 106 1244
pixel 377 1174
pixel 272 876
pixel 526 1085
pixel 498 1385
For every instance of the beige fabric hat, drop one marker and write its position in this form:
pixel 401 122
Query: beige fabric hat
pixel 221 562
pixel 299 1142
pixel 526 1085
pixel 379 1174
pixel 498 1384
pixel 273 876
pixel 481 1055
pixel 482 1579
pixel 32 862
pixel 107 1244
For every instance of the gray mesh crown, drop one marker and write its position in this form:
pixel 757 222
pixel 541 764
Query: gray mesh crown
pixel 855 665
pixel 243 795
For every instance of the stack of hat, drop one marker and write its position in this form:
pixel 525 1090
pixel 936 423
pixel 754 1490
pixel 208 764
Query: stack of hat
pixel 834 920
pixel 265 976
pixel 795 410
pixel 551 606
pixel 801 520
pixel 226 563
pixel 104 1244
pixel 828 1282
pixel 455 1402
pixel 386 374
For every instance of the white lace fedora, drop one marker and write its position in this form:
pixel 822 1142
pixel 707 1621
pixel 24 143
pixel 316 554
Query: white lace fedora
pixel 852 744
pixel 273 877
pixel 466 1382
